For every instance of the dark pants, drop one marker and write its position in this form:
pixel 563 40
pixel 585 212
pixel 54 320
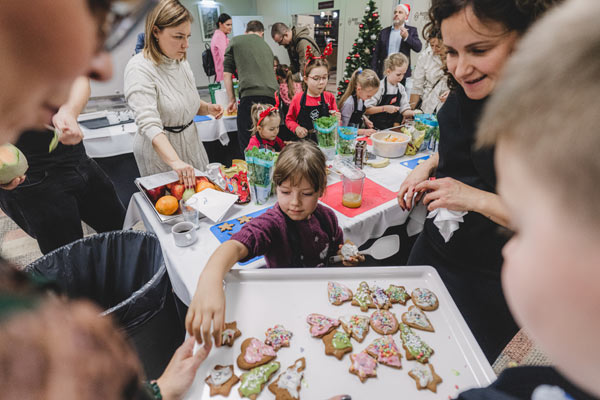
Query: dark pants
pixel 244 117
pixel 50 208
pixel 477 294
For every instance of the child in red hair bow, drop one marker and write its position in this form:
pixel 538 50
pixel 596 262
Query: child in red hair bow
pixel 265 127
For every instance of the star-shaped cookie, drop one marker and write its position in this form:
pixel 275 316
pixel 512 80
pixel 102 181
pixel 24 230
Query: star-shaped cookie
pixel 242 220
pixel 226 227
pixel 425 377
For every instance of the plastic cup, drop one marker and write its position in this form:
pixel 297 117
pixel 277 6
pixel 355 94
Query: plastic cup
pixel 189 213
pixel 352 189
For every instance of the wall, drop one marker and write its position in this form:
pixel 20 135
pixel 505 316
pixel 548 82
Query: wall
pixel 125 51
pixel 351 13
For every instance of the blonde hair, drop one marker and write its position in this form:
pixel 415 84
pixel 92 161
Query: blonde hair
pixel 255 111
pixel 528 107
pixel 365 78
pixel 285 73
pixel 302 159
pixel 166 14
pixel 394 61
pixel 312 64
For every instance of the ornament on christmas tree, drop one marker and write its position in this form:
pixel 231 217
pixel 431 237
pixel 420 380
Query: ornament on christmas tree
pixel 366 31
pixel 360 40
pixel 357 55
pixel 346 80
pixel 361 26
pixel 375 15
pixel 367 8
pixel 367 51
pixel 370 20
pixel 354 45
pixel 373 37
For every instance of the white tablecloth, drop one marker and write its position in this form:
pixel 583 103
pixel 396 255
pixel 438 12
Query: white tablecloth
pixel 185 264
pixel 118 139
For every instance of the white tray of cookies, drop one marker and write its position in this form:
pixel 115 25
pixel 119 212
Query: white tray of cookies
pixel 260 299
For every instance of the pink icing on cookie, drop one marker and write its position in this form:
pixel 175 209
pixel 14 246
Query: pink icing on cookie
pixel 257 350
pixel 386 351
pixel 363 364
pixel 338 293
pixel 384 321
pixel 278 336
pixel 320 324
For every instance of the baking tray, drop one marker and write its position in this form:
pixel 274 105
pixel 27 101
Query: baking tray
pixel 259 299
pixel 169 219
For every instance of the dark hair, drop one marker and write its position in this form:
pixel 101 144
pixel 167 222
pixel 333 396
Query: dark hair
pixel 255 26
pixel 284 73
pixel 279 28
pixel 223 18
pixel 515 15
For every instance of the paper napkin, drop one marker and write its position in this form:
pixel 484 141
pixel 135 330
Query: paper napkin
pixel 212 203
pixel 447 221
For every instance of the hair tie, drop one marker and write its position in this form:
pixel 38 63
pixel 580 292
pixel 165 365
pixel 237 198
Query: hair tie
pixel 359 71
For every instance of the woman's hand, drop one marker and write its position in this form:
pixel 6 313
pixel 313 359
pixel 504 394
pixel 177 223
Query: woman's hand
pixel 186 173
pixel 409 187
pixel 66 123
pixel 444 96
pixel 207 307
pixel 391 109
pixel 232 107
pixel 449 193
pixel 216 110
pixel 301 132
pixel 179 374
pixel 14 183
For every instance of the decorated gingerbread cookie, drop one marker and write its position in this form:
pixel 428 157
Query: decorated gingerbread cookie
pixel 397 294
pixel 425 299
pixel 362 297
pixel 416 318
pixel 254 381
pixel 230 333
pixel 384 322
pixel 287 385
pixel 226 227
pixel 255 353
pixel 321 325
pixel 363 365
pixel 220 379
pixel 425 377
pixel 385 351
pixel 380 298
pixel 337 343
pixel 415 347
pixel 278 337
pixel 356 326
pixel 338 293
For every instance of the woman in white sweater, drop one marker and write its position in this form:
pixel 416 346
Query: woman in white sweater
pixel 161 90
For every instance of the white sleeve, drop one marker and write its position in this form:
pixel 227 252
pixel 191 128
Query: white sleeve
pixel 141 96
pixel 418 75
pixel 404 104
pixel 373 101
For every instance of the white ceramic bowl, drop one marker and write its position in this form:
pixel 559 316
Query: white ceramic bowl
pixel 387 149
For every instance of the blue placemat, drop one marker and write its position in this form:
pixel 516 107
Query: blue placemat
pixel 225 236
pixel 414 162
pixel 200 118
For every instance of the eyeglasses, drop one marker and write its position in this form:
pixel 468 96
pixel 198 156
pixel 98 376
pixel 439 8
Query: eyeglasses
pixel 121 20
pixel 319 78
pixel 280 40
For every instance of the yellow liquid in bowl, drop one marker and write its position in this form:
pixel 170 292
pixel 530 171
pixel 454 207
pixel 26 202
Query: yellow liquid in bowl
pixel 352 200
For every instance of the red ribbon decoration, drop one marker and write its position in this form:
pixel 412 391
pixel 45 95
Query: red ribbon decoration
pixel 310 56
pixel 268 111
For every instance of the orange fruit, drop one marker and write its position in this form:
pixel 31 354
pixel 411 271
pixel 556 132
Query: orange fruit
pixel 201 185
pixel 167 205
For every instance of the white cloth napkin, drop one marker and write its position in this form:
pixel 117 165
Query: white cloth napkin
pixel 447 221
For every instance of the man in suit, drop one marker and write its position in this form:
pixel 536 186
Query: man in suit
pixel 399 37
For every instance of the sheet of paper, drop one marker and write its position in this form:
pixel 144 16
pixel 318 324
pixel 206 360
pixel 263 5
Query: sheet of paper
pixel 212 203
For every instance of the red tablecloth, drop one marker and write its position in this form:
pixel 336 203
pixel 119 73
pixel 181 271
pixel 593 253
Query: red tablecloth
pixel 373 196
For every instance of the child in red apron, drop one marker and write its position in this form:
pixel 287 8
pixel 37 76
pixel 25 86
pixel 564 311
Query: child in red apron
pixel 362 86
pixel 265 127
pixel 389 106
pixel 314 102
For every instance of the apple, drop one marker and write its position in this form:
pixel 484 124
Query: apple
pixel 155 193
pixel 189 192
pixel 177 190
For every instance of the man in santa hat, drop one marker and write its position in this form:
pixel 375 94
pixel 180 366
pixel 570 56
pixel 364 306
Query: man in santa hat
pixel 399 37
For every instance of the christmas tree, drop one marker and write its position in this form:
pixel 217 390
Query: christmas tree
pixel 362 50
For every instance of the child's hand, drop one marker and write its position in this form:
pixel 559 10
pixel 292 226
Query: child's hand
pixel 337 114
pixel 391 109
pixel 207 307
pixel 366 132
pixel 301 132
pixel 368 123
pixel 352 260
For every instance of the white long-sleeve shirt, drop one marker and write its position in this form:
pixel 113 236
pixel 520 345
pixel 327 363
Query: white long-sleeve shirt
pixel 429 81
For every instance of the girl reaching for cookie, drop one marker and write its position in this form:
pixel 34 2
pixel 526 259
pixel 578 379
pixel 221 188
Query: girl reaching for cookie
pixel 297 231
pixel 314 102
pixel 362 86
pixel 265 127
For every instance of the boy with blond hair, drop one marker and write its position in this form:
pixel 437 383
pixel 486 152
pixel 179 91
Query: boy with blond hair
pixel 544 124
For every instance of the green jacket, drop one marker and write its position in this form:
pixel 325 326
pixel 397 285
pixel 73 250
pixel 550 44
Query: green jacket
pixel 297 49
pixel 252 57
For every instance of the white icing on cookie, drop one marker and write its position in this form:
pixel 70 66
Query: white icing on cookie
pixel 219 376
pixel 290 379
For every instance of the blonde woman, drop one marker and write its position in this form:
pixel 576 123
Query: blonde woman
pixel 161 90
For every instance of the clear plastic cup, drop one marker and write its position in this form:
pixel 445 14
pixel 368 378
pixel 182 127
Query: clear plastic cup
pixel 189 213
pixel 353 183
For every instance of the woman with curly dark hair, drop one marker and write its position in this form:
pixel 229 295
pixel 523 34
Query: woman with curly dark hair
pixel 479 36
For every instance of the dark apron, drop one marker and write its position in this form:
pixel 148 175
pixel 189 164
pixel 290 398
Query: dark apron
pixel 385 120
pixel 308 114
pixel 357 115
pixel 267 146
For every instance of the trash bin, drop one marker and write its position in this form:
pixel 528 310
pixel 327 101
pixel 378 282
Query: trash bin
pixel 125 274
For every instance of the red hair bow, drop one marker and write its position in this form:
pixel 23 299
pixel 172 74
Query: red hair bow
pixel 268 111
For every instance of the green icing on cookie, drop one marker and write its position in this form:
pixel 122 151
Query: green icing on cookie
pixel 253 380
pixel 415 345
pixel 340 341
